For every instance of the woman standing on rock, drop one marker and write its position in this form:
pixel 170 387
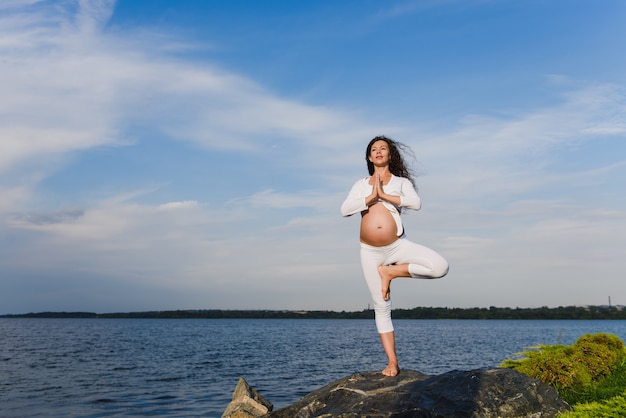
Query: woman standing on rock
pixel 386 253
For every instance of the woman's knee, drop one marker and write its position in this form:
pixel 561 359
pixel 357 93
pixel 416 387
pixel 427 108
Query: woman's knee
pixel 439 266
pixel 441 269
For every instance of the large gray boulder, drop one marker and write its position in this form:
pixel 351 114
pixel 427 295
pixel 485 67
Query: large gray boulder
pixel 481 393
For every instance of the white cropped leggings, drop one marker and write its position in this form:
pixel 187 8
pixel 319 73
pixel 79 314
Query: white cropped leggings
pixel 423 262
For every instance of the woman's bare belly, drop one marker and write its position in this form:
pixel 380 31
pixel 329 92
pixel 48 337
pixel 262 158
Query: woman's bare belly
pixel 378 227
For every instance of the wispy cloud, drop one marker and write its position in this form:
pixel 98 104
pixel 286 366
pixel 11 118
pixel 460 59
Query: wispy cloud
pixel 71 84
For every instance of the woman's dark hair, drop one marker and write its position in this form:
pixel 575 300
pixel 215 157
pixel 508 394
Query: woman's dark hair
pixel 397 152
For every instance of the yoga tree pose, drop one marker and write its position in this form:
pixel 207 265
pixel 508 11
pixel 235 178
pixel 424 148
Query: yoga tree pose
pixel 386 253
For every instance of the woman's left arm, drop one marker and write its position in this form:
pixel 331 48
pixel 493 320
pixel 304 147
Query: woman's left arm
pixel 408 196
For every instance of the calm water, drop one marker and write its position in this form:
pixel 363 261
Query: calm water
pixel 151 367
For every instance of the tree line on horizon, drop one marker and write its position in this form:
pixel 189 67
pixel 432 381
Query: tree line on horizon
pixel 567 312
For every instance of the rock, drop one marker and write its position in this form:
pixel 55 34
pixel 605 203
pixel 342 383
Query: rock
pixel 484 393
pixel 246 403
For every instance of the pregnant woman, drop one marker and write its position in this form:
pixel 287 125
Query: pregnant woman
pixel 386 253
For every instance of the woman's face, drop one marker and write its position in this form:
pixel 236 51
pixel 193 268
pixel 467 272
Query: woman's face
pixel 379 153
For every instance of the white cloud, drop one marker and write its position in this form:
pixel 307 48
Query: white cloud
pixel 68 86
pixel 179 205
pixel 13 197
pixel 273 199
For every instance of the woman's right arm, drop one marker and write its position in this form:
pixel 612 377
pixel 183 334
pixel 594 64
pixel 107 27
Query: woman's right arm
pixel 356 200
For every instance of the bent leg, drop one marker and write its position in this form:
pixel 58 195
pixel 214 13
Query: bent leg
pixel 424 263
pixel 411 260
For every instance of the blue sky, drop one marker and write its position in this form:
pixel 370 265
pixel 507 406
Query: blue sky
pixel 160 155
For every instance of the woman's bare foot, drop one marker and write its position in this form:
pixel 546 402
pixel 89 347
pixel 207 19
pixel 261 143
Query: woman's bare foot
pixel 391 370
pixel 385 277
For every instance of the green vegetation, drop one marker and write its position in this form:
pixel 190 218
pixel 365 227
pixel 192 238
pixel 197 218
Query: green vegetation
pixel 493 312
pixel 590 374
pixel 567 312
pixel 611 408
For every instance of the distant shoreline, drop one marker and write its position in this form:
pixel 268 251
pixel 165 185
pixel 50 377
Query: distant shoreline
pixel 569 312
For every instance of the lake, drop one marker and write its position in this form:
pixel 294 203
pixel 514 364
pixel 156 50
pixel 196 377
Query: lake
pixel 189 367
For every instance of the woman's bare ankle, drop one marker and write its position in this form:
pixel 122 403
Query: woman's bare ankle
pixel 392 369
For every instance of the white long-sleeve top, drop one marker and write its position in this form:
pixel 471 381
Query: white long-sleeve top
pixel 397 186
